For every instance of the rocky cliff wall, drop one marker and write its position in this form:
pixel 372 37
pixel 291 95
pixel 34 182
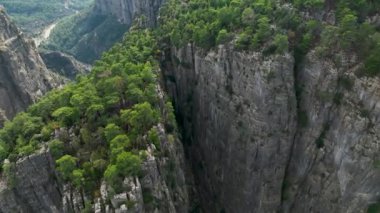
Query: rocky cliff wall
pixel 334 163
pixel 239 114
pixel 32 185
pixel 265 137
pixel 126 10
pixel 23 75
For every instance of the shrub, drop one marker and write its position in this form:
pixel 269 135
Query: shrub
pixel 281 43
pixel 128 164
pixel 372 63
pixel 154 138
pixel 66 165
pixel 56 148
pixel 243 41
pixel 66 115
pixel 223 36
pixel 111 131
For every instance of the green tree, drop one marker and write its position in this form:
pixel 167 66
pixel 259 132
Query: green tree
pixel 66 165
pixel 78 178
pixel 372 63
pixel 111 175
pixel 154 138
pixel 223 36
pixel 263 32
pixel 248 16
pixel 56 148
pixel 243 40
pixel 111 131
pixel 141 117
pixel 128 164
pixel 281 43
pixel 66 115
pixel 348 29
pixel 119 144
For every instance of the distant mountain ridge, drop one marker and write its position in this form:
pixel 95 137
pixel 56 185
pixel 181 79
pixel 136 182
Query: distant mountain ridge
pixel 88 34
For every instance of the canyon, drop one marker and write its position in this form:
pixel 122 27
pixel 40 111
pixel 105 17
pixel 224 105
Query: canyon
pixel 256 132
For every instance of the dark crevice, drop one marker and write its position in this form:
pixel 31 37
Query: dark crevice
pixel 301 116
pixel 170 85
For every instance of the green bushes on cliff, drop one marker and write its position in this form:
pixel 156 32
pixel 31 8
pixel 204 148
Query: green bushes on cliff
pixel 275 26
pixel 100 126
pixel 207 23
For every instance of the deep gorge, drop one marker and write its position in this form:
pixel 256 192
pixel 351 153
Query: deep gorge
pixel 279 118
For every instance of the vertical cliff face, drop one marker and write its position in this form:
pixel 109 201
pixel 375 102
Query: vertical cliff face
pixel 334 166
pixel 263 139
pixel 126 10
pixel 23 75
pixel 31 186
pixel 239 116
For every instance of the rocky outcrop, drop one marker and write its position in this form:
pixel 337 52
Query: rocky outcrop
pixel 162 188
pixel 126 10
pixel 31 186
pixel 264 137
pixel 64 64
pixel 23 76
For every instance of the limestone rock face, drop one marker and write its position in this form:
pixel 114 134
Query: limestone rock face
pixel 126 10
pixel 163 188
pixel 264 138
pixel 334 165
pixel 32 187
pixel 239 114
pixel 23 76
pixel 64 64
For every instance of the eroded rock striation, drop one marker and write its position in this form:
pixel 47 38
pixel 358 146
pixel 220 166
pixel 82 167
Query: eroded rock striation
pixel 31 185
pixel 266 137
pixel 239 113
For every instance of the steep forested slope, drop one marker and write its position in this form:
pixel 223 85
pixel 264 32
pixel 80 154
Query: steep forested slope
pixel 109 126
